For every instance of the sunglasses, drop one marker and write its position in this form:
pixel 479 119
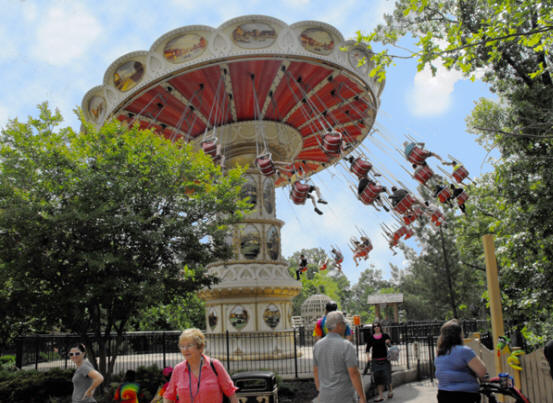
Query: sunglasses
pixel 75 354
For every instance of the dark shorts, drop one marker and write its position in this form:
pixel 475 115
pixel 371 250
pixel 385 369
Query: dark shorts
pixel 446 396
pixel 382 372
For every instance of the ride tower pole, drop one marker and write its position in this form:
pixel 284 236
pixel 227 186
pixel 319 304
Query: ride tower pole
pixel 496 311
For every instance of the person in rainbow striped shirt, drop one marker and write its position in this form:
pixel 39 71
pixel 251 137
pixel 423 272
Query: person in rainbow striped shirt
pixel 129 390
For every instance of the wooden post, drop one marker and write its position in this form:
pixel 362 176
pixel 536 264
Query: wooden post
pixel 396 313
pixel 494 296
pixel 377 311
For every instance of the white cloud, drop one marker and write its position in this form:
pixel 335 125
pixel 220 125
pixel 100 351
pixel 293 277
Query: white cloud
pixel 65 34
pixel 431 95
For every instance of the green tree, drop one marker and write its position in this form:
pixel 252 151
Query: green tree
pixel 508 43
pixel 370 282
pixel 99 225
pixel 314 281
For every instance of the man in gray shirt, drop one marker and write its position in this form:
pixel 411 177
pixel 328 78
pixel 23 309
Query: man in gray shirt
pixel 335 364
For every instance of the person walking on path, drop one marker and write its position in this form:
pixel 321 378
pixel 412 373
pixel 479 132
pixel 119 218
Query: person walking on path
pixel 321 329
pixel 335 369
pixel 457 367
pixel 86 379
pixel 381 368
pixel 199 378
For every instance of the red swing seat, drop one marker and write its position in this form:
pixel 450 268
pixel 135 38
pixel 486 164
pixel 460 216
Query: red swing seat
pixel 370 193
pixel 462 198
pixel 444 195
pixel 361 167
pixel 423 174
pixel 418 155
pixel 437 217
pixel 409 233
pixel 404 204
pixel 409 218
pixel 210 147
pixel 299 192
pixel 266 165
pixel 332 143
pixel 460 173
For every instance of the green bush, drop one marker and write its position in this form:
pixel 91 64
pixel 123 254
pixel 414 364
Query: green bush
pixel 34 386
pixel 7 362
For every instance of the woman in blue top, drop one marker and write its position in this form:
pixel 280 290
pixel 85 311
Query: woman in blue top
pixel 457 367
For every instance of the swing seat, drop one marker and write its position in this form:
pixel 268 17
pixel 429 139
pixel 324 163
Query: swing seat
pixel 370 193
pixel 210 147
pixel 444 195
pixel 299 192
pixel 408 234
pixel 462 198
pixel 361 167
pixel 404 204
pixel 460 173
pixel 423 174
pixel 266 165
pixel 412 217
pixel 417 156
pixel 332 143
pixel 436 218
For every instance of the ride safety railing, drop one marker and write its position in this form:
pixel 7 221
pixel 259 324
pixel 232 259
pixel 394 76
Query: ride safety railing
pixel 287 353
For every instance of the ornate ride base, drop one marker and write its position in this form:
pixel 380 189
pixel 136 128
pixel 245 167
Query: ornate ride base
pixel 253 300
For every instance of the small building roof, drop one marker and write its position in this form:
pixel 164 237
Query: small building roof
pixel 384 298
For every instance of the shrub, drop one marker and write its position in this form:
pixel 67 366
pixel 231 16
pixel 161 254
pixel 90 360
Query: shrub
pixel 34 386
pixel 7 362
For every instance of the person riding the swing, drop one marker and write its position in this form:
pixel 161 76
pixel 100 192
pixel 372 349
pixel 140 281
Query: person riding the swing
pixel 366 181
pixel 313 188
pixel 338 258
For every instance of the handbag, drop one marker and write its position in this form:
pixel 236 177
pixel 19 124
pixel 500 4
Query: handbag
pixel 393 353
pixel 226 399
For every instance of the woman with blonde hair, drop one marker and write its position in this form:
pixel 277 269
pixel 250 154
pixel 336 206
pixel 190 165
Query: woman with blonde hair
pixel 457 367
pixel 198 379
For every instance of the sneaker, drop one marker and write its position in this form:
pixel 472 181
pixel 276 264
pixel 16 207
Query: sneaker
pixel 322 201
pixel 319 212
pixel 385 208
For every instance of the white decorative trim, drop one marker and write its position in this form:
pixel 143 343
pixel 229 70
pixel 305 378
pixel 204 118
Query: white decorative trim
pixel 221 47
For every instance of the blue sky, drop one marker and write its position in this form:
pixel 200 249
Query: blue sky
pixel 58 50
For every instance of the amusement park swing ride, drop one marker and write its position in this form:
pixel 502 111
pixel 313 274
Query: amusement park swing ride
pixel 288 101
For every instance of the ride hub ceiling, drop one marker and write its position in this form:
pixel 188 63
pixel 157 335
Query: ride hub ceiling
pixel 252 71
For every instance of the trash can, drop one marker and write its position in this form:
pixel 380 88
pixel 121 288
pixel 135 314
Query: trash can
pixel 366 332
pixel 256 386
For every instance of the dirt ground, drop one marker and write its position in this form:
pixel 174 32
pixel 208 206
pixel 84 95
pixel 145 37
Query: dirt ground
pixel 297 391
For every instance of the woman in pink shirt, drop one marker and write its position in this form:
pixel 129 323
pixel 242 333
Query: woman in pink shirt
pixel 198 379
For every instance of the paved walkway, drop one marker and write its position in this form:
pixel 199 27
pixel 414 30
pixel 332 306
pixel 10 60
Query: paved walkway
pixel 415 392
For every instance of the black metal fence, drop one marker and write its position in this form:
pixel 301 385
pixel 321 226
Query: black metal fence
pixel 288 353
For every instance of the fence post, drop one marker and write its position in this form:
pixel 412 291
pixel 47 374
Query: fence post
pixel 431 356
pixel 36 352
pixel 228 350
pixel 295 355
pixel 163 349
pixel 18 352
pixel 407 350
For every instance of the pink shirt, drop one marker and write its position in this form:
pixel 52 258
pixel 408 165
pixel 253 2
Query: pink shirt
pixel 211 386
